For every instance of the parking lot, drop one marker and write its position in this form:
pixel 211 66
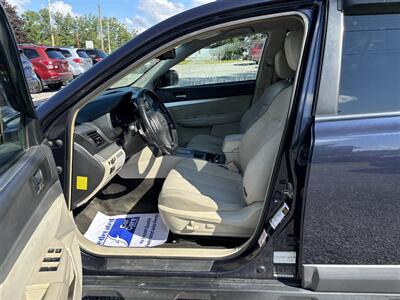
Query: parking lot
pixel 46 94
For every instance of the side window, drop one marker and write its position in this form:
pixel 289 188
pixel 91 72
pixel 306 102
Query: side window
pixel 11 121
pixel 230 60
pixel 30 53
pixel 370 68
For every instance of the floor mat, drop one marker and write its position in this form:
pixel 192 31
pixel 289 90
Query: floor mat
pixel 132 230
pixel 120 197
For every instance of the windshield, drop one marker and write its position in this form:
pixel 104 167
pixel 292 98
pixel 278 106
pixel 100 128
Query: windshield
pixel 136 74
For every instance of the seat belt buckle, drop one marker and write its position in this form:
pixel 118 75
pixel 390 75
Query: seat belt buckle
pixel 231 166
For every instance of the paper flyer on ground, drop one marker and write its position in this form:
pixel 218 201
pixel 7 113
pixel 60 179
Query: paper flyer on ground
pixel 132 230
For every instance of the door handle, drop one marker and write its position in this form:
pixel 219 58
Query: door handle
pixel 38 181
pixel 181 95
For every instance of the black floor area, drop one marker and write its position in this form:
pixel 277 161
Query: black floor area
pixel 121 196
pixel 128 196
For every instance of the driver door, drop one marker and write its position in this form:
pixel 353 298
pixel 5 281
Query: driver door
pixel 39 252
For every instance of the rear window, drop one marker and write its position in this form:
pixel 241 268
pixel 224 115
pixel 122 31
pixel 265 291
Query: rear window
pixel 66 53
pixel 100 54
pixel 55 54
pixel 370 69
pixel 30 53
pixel 82 53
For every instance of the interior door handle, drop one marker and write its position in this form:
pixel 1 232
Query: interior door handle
pixel 38 181
pixel 181 96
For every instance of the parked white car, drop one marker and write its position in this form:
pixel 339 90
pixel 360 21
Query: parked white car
pixel 78 60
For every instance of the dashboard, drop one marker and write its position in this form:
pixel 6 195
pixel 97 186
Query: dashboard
pixel 103 141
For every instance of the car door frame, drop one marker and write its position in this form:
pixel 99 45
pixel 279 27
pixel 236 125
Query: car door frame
pixel 96 267
pixel 31 199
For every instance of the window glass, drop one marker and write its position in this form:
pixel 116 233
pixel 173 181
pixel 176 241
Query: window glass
pixel 11 127
pixel 100 54
pixel 82 53
pixel 66 53
pixel 30 53
pixel 370 69
pixel 225 61
pixel 96 52
pixel 56 54
pixel 136 73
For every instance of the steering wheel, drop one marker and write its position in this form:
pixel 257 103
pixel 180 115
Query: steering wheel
pixel 158 127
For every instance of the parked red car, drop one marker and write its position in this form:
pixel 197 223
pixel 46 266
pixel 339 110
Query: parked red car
pixel 256 52
pixel 49 65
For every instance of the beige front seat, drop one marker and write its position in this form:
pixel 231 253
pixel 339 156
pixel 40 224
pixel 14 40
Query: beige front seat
pixel 201 198
pixel 211 144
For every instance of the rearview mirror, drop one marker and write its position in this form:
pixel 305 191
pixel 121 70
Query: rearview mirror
pixel 169 78
pixel 171 54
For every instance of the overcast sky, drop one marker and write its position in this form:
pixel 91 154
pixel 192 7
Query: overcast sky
pixel 139 14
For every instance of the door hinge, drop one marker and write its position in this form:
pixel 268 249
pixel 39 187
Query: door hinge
pixel 302 156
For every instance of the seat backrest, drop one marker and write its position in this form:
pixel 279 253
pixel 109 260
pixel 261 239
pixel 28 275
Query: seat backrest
pixel 261 105
pixel 260 144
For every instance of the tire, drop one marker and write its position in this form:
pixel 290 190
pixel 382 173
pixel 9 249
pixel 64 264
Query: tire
pixel 39 87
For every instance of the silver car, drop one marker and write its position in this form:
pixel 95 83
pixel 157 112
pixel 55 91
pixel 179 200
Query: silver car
pixel 78 60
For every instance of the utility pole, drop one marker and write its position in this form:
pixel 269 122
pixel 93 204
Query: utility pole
pixel 78 42
pixel 108 37
pixel 51 25
pixel 101 27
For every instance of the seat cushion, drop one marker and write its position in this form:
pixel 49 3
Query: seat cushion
pixel 201 198
pixel 197 185
pixel 206 143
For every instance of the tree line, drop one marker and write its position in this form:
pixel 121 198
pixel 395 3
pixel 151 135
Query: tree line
pixel 34 27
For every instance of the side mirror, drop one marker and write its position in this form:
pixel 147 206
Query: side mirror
pixel 169 78
pixel 171 54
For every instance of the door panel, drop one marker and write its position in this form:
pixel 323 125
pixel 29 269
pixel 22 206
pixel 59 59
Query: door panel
pixel 351 218
pixel 39 253
pixel 209 109
pixel 216 116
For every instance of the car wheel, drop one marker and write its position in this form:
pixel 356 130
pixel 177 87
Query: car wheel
pixel 39 87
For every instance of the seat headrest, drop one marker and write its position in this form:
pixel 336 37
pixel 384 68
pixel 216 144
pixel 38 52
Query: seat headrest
pixel 293 45
pixel 281 66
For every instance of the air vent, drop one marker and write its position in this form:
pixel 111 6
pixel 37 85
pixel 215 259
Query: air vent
pixel 96 138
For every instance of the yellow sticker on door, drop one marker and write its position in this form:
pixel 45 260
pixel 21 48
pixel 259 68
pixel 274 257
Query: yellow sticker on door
pixel 81 183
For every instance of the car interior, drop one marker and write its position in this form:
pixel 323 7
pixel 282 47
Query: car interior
pixel 196 157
